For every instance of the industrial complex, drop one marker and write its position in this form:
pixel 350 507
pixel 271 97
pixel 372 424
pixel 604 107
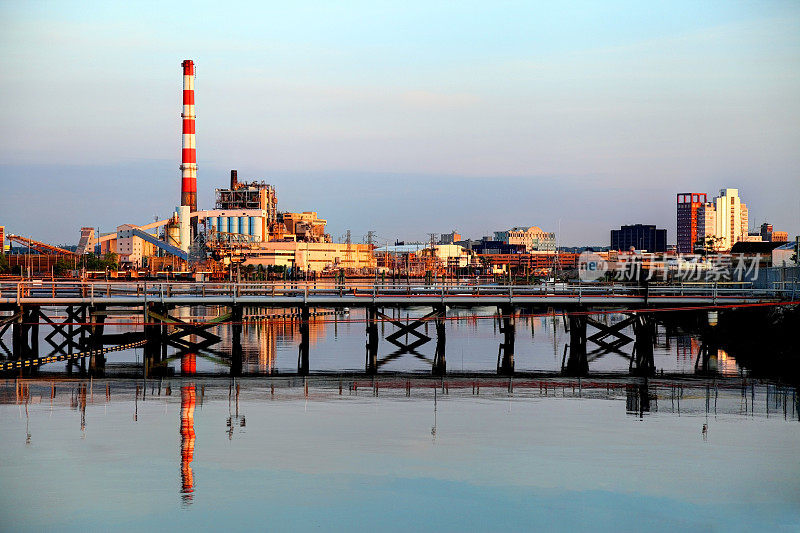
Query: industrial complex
pixel 245 233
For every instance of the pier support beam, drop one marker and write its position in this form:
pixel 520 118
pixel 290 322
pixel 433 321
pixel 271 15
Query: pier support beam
pixel 24 325
pixel 97 363
pixel 5 323
pixel 372 341
pixel 17 334
pixel 439 361
pixel 154 335
pixel 642 363
pixel 577 363
pixel 302 357
pixel 236 341
pixel 505 353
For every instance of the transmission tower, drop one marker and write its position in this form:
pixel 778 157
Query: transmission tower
pixel 348 256
pixel 432 262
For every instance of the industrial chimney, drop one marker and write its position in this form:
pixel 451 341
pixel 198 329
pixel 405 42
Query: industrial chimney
pixel 189 155
pixel 234 180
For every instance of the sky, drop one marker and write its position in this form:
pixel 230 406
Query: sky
pixel 402 118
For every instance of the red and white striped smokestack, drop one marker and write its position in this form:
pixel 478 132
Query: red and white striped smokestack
pixel 189 155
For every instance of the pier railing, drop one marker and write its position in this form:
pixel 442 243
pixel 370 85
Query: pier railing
pixel 293 293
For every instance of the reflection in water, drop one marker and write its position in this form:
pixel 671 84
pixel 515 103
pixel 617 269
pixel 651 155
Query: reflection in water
pixel 233 416
pixel 188 398
pixel 329 434
pixel 263 338
pixel 639 400
pixel 188 364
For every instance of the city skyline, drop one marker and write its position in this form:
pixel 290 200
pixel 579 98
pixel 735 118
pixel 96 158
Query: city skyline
pixel 381 122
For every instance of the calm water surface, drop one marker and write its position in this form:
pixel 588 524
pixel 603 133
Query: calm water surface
pixel 398 454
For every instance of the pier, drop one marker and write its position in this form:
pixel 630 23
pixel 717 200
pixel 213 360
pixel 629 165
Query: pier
pixel 79 335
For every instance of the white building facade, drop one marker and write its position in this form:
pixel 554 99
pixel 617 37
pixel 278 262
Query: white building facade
pixel 725 219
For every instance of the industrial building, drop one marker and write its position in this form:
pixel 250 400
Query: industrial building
pixel 310 256
pixel 417 259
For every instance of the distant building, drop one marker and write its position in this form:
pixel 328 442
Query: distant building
pixel 769 235
pixel 497 247
pixel 450 238
pixel 761 250
pixel 725 220
pixel 689 206
pixel 533 238
pixel 311 256
pixel 780 236
pixel 639 236
pixel 753 236
pixel 130 249
pixel 782 255
pixel 766 231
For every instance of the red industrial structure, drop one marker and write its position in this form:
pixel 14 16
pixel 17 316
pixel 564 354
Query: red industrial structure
pixel 189 155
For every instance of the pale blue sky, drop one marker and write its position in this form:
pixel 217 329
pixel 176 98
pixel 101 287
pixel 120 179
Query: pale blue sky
pixel 405 117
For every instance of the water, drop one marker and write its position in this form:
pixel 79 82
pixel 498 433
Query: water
pixel 193 447
pixel 398 454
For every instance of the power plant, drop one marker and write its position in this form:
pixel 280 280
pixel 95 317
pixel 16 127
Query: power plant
pixel 244 227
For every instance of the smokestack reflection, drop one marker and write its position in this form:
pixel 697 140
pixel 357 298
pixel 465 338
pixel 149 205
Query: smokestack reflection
pixel 188 399
pixel 188 364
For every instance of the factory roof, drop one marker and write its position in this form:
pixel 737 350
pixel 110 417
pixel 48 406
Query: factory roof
pixel 403 248
pixel 754 247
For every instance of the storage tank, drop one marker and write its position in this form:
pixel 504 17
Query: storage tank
pixel 255 228
pixel 233 225
pixel 244 225
pixel 183 223
pixel 173 234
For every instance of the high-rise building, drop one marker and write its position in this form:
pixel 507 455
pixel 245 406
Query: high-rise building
pixel 731 218
pixel 689 203
pixel 707 225
pixel 640 237
pixel 723 221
